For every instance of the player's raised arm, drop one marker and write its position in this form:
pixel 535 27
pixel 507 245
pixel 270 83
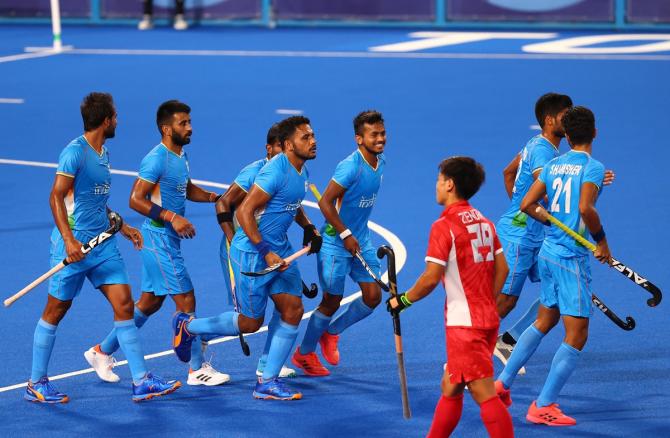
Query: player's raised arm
pixel 140 203
pixel 333 192
pixel 62 186
pixel 225 209
pixel 196 193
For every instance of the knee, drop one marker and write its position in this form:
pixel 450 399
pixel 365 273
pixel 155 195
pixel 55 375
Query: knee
pixel 149 304
pixel 373 298
pixel 505 304
pixel 293 314
pixel 124 308
pixel 545 324
pixel 54 313
pixel 577 339
pixel 329 304
pixel 187 304
pixel 249 325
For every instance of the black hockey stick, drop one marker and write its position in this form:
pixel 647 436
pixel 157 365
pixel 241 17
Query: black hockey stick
pixel 243 343
pixel 628 325
pixel 311 291
pixel 370 272
pixel 387 251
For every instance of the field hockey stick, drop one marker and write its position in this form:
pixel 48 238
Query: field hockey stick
pixel 276 266
pixel 311 291
pixel 357 254
pixel 636 278
pixel 387 251
pixel 116 223
pixel 628 325
pixel 231 275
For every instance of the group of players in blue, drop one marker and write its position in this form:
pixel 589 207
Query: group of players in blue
pixel 255 214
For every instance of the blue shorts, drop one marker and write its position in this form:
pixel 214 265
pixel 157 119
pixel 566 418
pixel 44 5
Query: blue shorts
pixel 566 284
pixel 103 265
pixel 522 262
pixel 252 292
pixel 163 268
pixel 225 268
pixel 333 269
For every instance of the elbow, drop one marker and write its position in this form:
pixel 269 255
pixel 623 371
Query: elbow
pixel 525 205
pixel 584 209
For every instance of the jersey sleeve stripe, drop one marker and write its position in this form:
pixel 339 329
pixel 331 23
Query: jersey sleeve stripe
pixel 147 180
pixel 261 188
pixel 338 183
pixel 241 188
pixel 60 172
pixel 436 260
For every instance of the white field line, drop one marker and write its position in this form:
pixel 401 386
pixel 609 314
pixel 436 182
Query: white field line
pixel 354 54
pixel 11 100
pixel 392 239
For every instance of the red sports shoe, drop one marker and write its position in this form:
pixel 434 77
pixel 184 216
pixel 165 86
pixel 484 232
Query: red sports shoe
pixel 309 363
pixel 549 415
pixel 503 393
pixel 329 349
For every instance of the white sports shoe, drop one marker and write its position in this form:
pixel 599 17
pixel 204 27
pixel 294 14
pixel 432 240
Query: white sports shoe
pixel 207 376
pixel 102 364
pixel 180 23
pixel 503 351
pixel 146 23
pixel 284 373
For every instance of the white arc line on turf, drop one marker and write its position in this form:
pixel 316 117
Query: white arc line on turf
pixel 392 239
pixel 11 100
pixel 35 54
pixel 290 112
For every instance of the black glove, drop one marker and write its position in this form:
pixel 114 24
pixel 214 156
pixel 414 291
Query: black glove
pixel 310 236
pixel 402 303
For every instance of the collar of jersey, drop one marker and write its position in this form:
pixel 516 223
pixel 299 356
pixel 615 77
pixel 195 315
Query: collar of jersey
pixel 550 143
pixel 172 152
pixel 580 152
pixel 102 149
pixel 366 161
pixel 455 205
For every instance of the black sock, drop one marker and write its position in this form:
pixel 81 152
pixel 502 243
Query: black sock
pixel 508 339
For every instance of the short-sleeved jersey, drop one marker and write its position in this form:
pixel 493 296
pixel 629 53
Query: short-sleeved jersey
pixel 515 225
pixel 170 174
pixel 87 201
pixel 361 182
pixel 564 177
pixel 286 188
pixel 245 179
pixel 465 243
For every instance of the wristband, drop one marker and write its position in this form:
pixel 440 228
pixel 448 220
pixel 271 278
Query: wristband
pixel 263 248
pixel 405 300
pixel 155 212
pixel 599 235
pixel 226 216
pixel 309 226
pixel 344 234
pixel 216 197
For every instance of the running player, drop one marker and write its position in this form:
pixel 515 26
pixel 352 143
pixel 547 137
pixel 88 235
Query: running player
pixel 273 202
pixel 346 204
pixel 160 193
pixel 225 211
pixel 79 206
pixel 572 183
pixel 465 255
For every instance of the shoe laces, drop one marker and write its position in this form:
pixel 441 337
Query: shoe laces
pixel 112 363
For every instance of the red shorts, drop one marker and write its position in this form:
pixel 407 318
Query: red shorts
pixel 470 353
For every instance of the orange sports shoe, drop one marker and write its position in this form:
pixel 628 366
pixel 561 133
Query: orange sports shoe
pixel 309 363
pixel 549 415
pixel 503 394
pixel 329 349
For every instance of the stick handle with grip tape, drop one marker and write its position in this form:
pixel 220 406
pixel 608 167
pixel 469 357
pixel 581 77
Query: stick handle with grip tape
pixel 387 251
pixel 656 294
pixel 116 222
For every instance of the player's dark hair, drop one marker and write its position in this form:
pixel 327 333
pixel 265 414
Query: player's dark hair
pixel 580 125
pixel 370 117
pixel 467 175
pixel 167 110
pixel 551 104
pixel 95 108
pixel 288 126
pixel 273 134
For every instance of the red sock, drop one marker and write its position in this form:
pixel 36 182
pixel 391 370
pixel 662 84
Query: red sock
pixel 447 414
pixel 496 418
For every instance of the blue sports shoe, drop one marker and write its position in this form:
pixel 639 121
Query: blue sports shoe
pixel 275 389
pixel 182 339
pixel 153 386
pixel 43 391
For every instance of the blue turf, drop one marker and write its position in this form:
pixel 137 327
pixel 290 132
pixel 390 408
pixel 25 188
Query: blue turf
pixel 434 108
